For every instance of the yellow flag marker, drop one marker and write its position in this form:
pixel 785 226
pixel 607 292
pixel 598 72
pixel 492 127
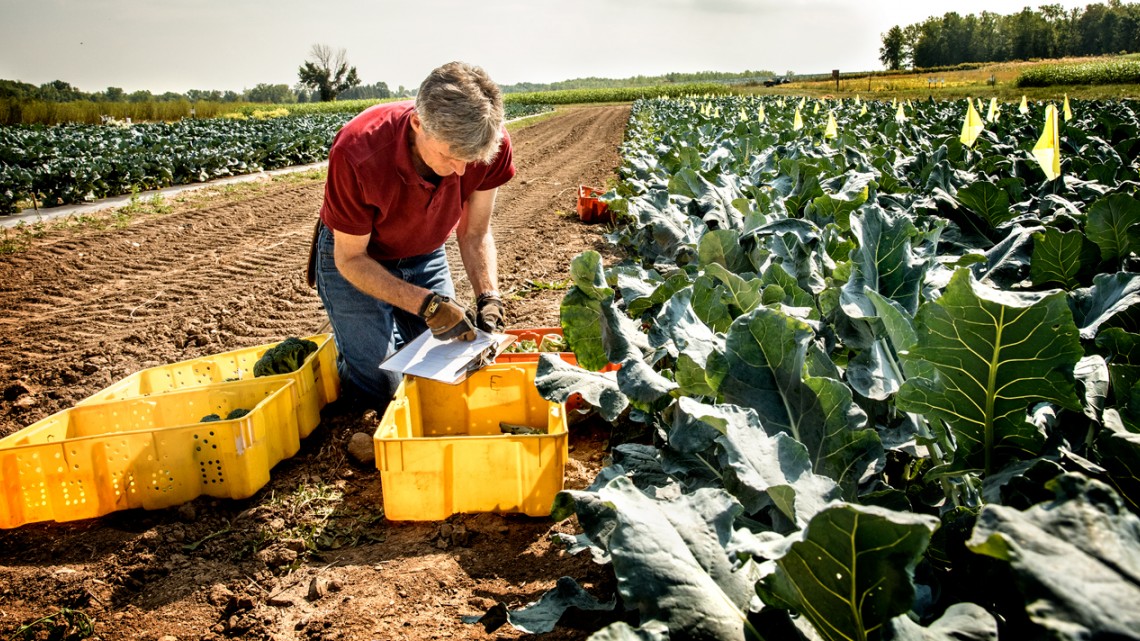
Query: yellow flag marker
pixel 992 116
pixel 832 130
pixel 863 111
pixel 972 126
pixel 798 123
pixel 803 101
pixel 1024 107
pixel 760 114
pixel 857 101
pixel 815 108
pixel 1068 111
pixel 900 115
pixel 1047 150
pixel 894 102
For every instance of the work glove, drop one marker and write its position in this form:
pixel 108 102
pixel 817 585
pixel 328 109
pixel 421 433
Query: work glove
pixel 445 319
pixel 489 316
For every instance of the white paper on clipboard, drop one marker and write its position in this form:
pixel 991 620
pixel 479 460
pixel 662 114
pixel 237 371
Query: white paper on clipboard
pixel 448 361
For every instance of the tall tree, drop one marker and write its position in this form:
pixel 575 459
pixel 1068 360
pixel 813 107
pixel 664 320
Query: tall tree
pixel 891 53
pixel 327 72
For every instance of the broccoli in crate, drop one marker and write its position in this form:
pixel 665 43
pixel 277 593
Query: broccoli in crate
pixel 235 413
pixel 287 356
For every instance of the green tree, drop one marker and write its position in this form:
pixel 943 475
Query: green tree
pixel 328 72
pixel 377 91
pixel 115 94
pixel 273 94
pixel 142 95
pixel 891 53
pixel 59 91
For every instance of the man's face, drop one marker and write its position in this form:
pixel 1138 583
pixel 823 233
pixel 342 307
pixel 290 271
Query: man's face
pixel 435 153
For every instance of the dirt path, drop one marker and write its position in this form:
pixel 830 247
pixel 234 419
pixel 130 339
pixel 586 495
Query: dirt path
pixel 84 307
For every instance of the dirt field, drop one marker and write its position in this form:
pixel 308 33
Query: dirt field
pixel 310 556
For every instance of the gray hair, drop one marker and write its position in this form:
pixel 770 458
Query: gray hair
pixel 460 105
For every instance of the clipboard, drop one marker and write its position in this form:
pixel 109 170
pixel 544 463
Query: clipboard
pixel 449 361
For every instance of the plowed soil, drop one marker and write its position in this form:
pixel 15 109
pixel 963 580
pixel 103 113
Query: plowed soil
pixel 310 556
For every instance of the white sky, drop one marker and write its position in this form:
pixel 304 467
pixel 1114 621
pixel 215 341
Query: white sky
pixel 176 45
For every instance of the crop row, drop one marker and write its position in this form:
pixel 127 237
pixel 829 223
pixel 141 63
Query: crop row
pixel 66 164
pixel 616 94
pixel 887 377
pixel 1086 73
pixel 39 112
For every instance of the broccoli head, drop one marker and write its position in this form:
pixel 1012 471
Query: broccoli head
pixel 287 356
pixel 235 413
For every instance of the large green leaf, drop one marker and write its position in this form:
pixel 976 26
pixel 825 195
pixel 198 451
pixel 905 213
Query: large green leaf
pixel 722 246
pixel 669 556
pixel 794 244
pixel 740 296
pixel 1077 559
pixel 852 570
pixel 586 272
pixel 885 262
pixel 582 319
pixel 765 355
pixel 988 201
pixel 542 615
pixel 760 470
pixel 1059 257
pixel 597 332
pixel 1112 301
pixel 842 196
pixel 558 380
pixel 1119 451
pixel 1123 351
pixel 622 631
pixel 994 353
pixel 1112 225
pixel 961 622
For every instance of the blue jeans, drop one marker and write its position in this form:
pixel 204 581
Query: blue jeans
pixel 368 330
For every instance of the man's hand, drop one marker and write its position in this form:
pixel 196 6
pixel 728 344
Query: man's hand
pixel 490 316
pixel 445 319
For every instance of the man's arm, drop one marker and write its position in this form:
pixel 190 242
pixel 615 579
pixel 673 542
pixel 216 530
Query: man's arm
pixel 477 244
pixel 352 260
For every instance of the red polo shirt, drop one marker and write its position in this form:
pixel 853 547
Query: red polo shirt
pixel 373 187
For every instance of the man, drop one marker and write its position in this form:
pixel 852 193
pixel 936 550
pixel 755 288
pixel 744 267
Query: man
pixel 402 176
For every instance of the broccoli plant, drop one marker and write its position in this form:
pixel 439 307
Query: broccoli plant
pixel 287 356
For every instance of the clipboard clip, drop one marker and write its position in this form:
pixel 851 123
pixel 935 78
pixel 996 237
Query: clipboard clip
pixel 485 358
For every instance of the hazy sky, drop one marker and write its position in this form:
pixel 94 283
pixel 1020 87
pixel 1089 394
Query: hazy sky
pixel 176 45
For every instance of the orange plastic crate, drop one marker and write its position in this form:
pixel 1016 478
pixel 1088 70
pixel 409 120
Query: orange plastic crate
pixel 590 209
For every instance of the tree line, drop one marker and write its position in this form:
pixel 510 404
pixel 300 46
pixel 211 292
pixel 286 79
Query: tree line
pixel 61 91
pixel 1050 31
pixel 743 77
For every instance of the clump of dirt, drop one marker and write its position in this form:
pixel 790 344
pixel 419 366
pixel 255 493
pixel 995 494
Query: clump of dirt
pixel 310 556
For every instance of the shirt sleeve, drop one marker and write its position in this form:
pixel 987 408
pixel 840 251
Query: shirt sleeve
pixel 502 168
pixel 344 209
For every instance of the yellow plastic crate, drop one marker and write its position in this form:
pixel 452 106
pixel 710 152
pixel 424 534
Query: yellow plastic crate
pixel 149 452
pixel 441 451
pixel 317 380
